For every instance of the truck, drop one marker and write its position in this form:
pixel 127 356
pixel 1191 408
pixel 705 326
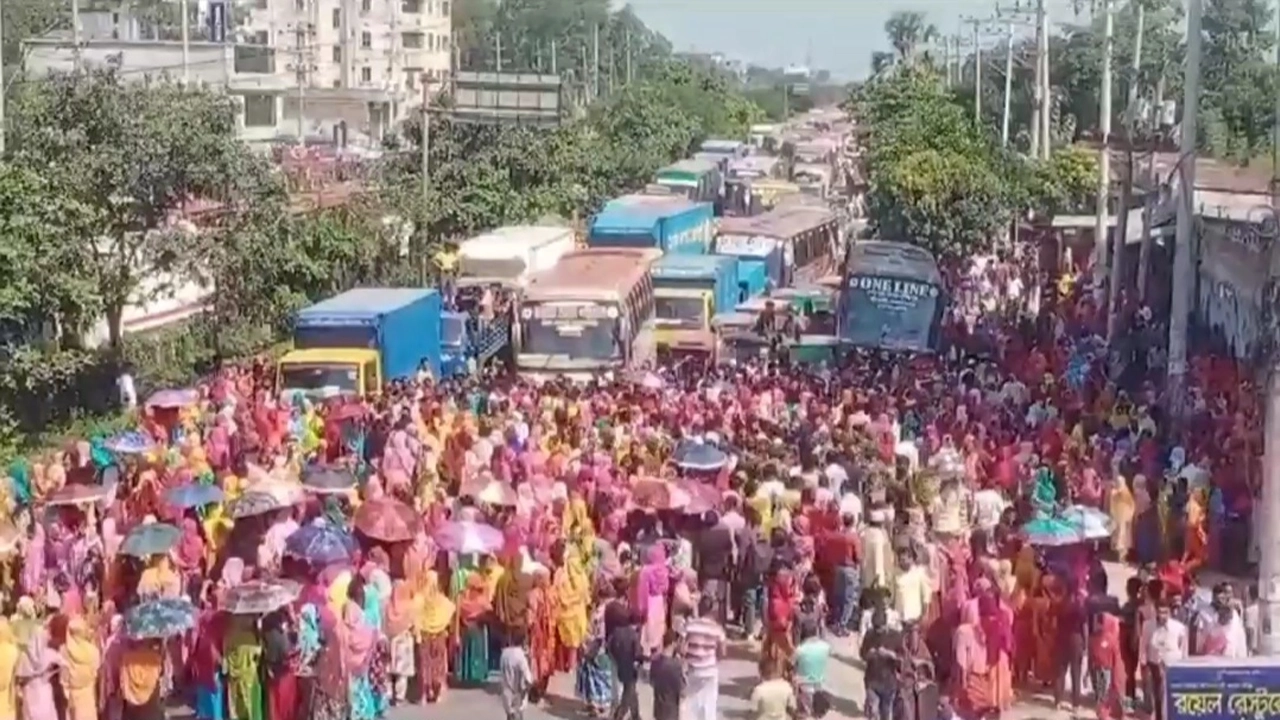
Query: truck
pixel 688 290
pixel 667 223
pixel 498 263
pixel 760 262
pixel 355 342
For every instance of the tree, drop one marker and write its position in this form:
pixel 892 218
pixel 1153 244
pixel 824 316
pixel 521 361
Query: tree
pixel 133 153
pixel 907 31
pixel 1239 78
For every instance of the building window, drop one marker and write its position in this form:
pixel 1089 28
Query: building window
pixel 300 38
pixel 259 110
pixel 366 5
pixel 411 76
pixel 337 83
pixel 366 74
pixel 337 17
pixel 337 53
pixel 260 4
pixel 444 8
pixel 255 55
pixel 411 40
pixel 411 6
pixel 366 40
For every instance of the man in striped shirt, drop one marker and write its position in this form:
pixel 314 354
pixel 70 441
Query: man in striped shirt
pixel 704 642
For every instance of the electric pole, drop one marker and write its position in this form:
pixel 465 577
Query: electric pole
pixel 628 57
pixel 302 71
pixel 75 33
pixel 497 49
pixel 1269 566
pixel 1042 79
pixel 184 8
pixel 1126 196
pixel 1008 86
pixel 1104 158
pixel 426 140
pixel 595 62
pixel 977 68
pixel 1183 267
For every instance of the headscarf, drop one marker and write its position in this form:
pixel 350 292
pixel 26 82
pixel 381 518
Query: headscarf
pixel 142 666
pixel 337 595
pixel 437 609
pixel 473 602
pixel 81 658
pixel 357 640
pixel 38 658
pixel 190 548
pixel 400 610
pixel 511 597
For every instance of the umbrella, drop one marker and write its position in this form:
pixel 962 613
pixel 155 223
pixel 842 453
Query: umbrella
pixel 320 544
pixel 259 597
pixel 1051 532
pixel 388 520
pixel 466 536
pixel 285 492
pixel 193 495
pixel 150 539
pixel 130 442
pixel 1090 523
pixel 253 503
pixel 157 619
pixel 699 456
pixel 174 398
pixel 322 479
pixel 78 494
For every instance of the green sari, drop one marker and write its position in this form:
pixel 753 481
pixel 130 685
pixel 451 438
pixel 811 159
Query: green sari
pixel 245 699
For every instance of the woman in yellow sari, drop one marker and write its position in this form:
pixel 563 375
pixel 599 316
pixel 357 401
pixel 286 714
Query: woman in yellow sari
pixel 571 588
pixel 433 628
pixel 1122 507
pixel 81 661
pixel 142 665
pixel 160 580
pixel 9 654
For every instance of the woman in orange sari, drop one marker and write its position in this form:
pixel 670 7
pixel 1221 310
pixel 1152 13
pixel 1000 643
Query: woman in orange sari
pixel 971 677
pixel 542 632
pixel 1044 629
pixel 1195 549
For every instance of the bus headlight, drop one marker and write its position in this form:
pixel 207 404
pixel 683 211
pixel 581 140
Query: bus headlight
pixel 612 313
pixel 526 313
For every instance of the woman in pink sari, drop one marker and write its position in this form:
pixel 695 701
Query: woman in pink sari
pixel 652 584
pixel 35 674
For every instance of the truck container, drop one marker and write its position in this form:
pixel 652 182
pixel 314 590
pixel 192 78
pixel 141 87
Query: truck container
pixel 760 262
pixel 668 223
pixel 509 255
pixel 357 341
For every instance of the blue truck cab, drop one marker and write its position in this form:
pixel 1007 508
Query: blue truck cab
pixel 674 225
pixel 357 341
pixel 688 291
pixel 469 343
pixel 760 262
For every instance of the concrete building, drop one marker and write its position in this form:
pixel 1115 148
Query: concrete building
pixel 310 67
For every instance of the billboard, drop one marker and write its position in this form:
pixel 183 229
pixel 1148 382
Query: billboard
pixel 1207 688
pixel 500 98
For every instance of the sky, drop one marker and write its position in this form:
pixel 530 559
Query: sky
pixel 836 35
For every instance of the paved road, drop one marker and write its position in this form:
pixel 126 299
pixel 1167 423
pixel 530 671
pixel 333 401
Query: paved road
pixel 738 677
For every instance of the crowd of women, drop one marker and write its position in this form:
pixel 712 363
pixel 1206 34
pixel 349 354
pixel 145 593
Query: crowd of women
pixel 267 557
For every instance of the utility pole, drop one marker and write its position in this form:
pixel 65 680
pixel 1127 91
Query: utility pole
pixel 1126 196
pixel 497 48
pixel 1153 191
pixel 1269 567
pixel 555 69
pixel 628 57
pixel 977 69
pixel 184 8
pixel 426 139
pixel 1037 91
pixel 302 73
pixel 1183 267
pixel 1042 80
pixel 595 62
pixel 75 33
pixel 1008 86
pixel 946 62
pixel 1104 158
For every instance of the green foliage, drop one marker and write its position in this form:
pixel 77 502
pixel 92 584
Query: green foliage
pixel 935 178
pixel 1068 183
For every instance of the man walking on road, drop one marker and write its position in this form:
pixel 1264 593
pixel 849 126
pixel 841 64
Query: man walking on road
pixel 704 649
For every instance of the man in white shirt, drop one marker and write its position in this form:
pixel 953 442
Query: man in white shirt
pixel 876 552
pixel 911 589
pixel 988 506
pixel 1165 642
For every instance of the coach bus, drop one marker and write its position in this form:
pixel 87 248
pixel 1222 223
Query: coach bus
pixel 590 314
pixel 891 297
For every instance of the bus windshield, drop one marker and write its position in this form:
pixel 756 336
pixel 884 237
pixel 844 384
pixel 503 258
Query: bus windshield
pixel 579 331
pixel 891 313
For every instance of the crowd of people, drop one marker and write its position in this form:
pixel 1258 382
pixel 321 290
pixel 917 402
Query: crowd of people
pixel 264 557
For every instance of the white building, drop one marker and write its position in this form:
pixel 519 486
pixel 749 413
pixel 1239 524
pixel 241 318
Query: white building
pixel 329 62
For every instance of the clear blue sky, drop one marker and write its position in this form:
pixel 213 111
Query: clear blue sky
pixel 840 34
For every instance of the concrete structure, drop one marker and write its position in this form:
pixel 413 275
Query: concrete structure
pixel 359 62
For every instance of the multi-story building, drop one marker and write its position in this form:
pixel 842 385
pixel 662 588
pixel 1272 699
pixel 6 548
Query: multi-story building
pixel 331 68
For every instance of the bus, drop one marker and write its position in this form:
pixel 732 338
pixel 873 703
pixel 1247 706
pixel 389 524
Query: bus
pixel 592 313
pixel 891 297
pixel 808 235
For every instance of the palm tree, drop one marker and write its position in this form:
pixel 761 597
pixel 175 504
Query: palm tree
pixel 907 30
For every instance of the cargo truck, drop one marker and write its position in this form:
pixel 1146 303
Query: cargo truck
pixel 760 262
pixel 359 340
pixel 688 291
pixel 671 224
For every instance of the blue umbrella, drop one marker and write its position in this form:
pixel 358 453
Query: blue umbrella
pixel 1052 532
pixel 130 442
pixel 158 619
pixel 150 539
pixel 1089 522
pixel 699 456
pixel 193 495
pixel 320 544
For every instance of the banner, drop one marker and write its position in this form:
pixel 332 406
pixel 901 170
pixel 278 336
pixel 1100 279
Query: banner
pixel 1217 689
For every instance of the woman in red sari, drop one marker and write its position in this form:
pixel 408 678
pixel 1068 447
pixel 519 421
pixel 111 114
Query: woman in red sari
pixel 1106 665
pixel 778 644
pixel 542 632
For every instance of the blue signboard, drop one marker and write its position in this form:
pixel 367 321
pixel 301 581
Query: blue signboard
pixel 1217 689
